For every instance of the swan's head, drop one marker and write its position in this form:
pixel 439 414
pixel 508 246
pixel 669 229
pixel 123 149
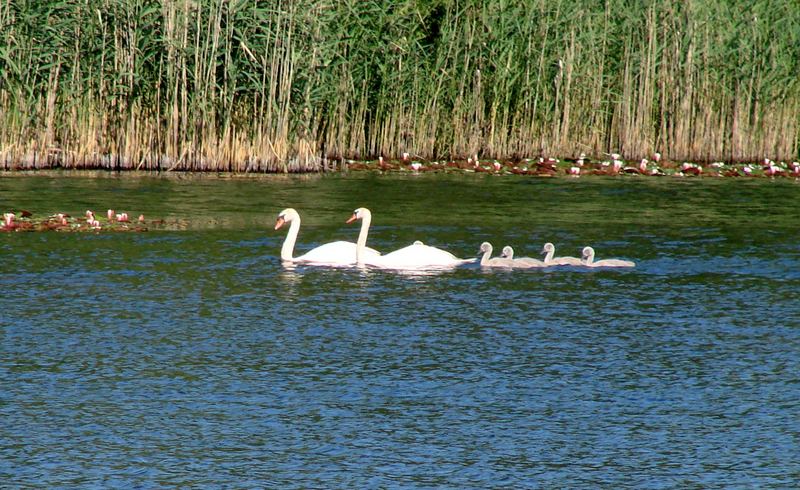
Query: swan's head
pixel 587 252
pixel 286 216
pixel 548 247
pixel 486 247
pixel 359 213
pixel 418 242
pixel 508 252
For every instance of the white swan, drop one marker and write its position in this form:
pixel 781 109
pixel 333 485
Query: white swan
pixel 588 260
pixel 508 253
pixel 486 250
pixel 334 253
pixel 416 256
pixel 549 250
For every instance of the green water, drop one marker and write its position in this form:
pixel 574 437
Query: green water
pixel 189 356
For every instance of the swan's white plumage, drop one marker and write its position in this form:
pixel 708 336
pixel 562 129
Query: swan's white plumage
pixel 508 253
pixel 415 256
pixel 340 252
pixel 549 250
pixel 486 261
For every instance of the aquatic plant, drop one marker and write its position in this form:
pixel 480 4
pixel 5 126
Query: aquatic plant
pixel 23 220
pixel 299 85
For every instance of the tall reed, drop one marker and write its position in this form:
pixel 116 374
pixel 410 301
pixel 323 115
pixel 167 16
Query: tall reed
pixel 291 85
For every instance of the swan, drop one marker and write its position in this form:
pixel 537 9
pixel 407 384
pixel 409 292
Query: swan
pixel 334 253
pixel 415 256
pixel 486 250
pixel 588 260
pixel 549 250
pixel 508 253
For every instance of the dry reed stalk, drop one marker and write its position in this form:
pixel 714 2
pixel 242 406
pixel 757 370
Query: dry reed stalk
pixel 220 86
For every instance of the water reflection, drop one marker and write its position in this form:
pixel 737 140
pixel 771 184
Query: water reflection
pixel 366 270
pixel 420 272
pixel 289 275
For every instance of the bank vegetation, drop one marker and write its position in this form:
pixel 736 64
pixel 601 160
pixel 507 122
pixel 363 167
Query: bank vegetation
pixel 297 85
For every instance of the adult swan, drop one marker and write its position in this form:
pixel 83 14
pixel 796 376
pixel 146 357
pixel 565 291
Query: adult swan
pixel 415 256
pixel 334 253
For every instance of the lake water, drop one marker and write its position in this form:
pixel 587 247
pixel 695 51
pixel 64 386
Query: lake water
pixel 187 356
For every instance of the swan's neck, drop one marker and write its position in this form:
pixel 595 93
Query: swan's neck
pixel 549 257
pixel 288 244
pixel 361 244
pixel 589 259
pixel 485 258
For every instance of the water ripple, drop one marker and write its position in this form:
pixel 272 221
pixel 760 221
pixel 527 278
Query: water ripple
pixel 194 359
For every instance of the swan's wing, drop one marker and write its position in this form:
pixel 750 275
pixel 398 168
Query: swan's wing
pixel 414 256
pixel 340 252
pixel 614 263
pixel 567 261
pixel 531 262
pixel 499 262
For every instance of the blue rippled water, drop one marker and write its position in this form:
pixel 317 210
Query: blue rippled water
pixel 188 356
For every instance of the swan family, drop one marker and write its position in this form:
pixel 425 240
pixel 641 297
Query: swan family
pixel 507 259
pixel 417 255
pixel 341 253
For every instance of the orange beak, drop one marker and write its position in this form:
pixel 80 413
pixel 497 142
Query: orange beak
pixel 352 218
pixel 280 221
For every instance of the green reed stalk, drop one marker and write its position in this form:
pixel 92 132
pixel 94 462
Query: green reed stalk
pixel 256 85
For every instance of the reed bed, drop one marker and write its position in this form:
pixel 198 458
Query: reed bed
pixel 294 86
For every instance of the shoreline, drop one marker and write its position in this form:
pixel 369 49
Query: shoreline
pixel 527 167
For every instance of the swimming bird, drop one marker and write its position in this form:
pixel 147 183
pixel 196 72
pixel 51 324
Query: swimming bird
pixel 508 253
pixel 486 261
pixel 333 253
pixel 588 260
pixel 549 250
pixel 414 256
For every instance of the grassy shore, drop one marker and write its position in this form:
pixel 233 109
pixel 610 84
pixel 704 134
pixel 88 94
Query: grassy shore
pixel 294 86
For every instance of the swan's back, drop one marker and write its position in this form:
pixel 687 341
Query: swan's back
pixel 508 253
pixel 588 260
pixel 613 263
pixel 522 262
pixel 565 261
pixel 415 256
pixel 549 250
pixel 528 262
pixel 339 252
pixel 499 262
